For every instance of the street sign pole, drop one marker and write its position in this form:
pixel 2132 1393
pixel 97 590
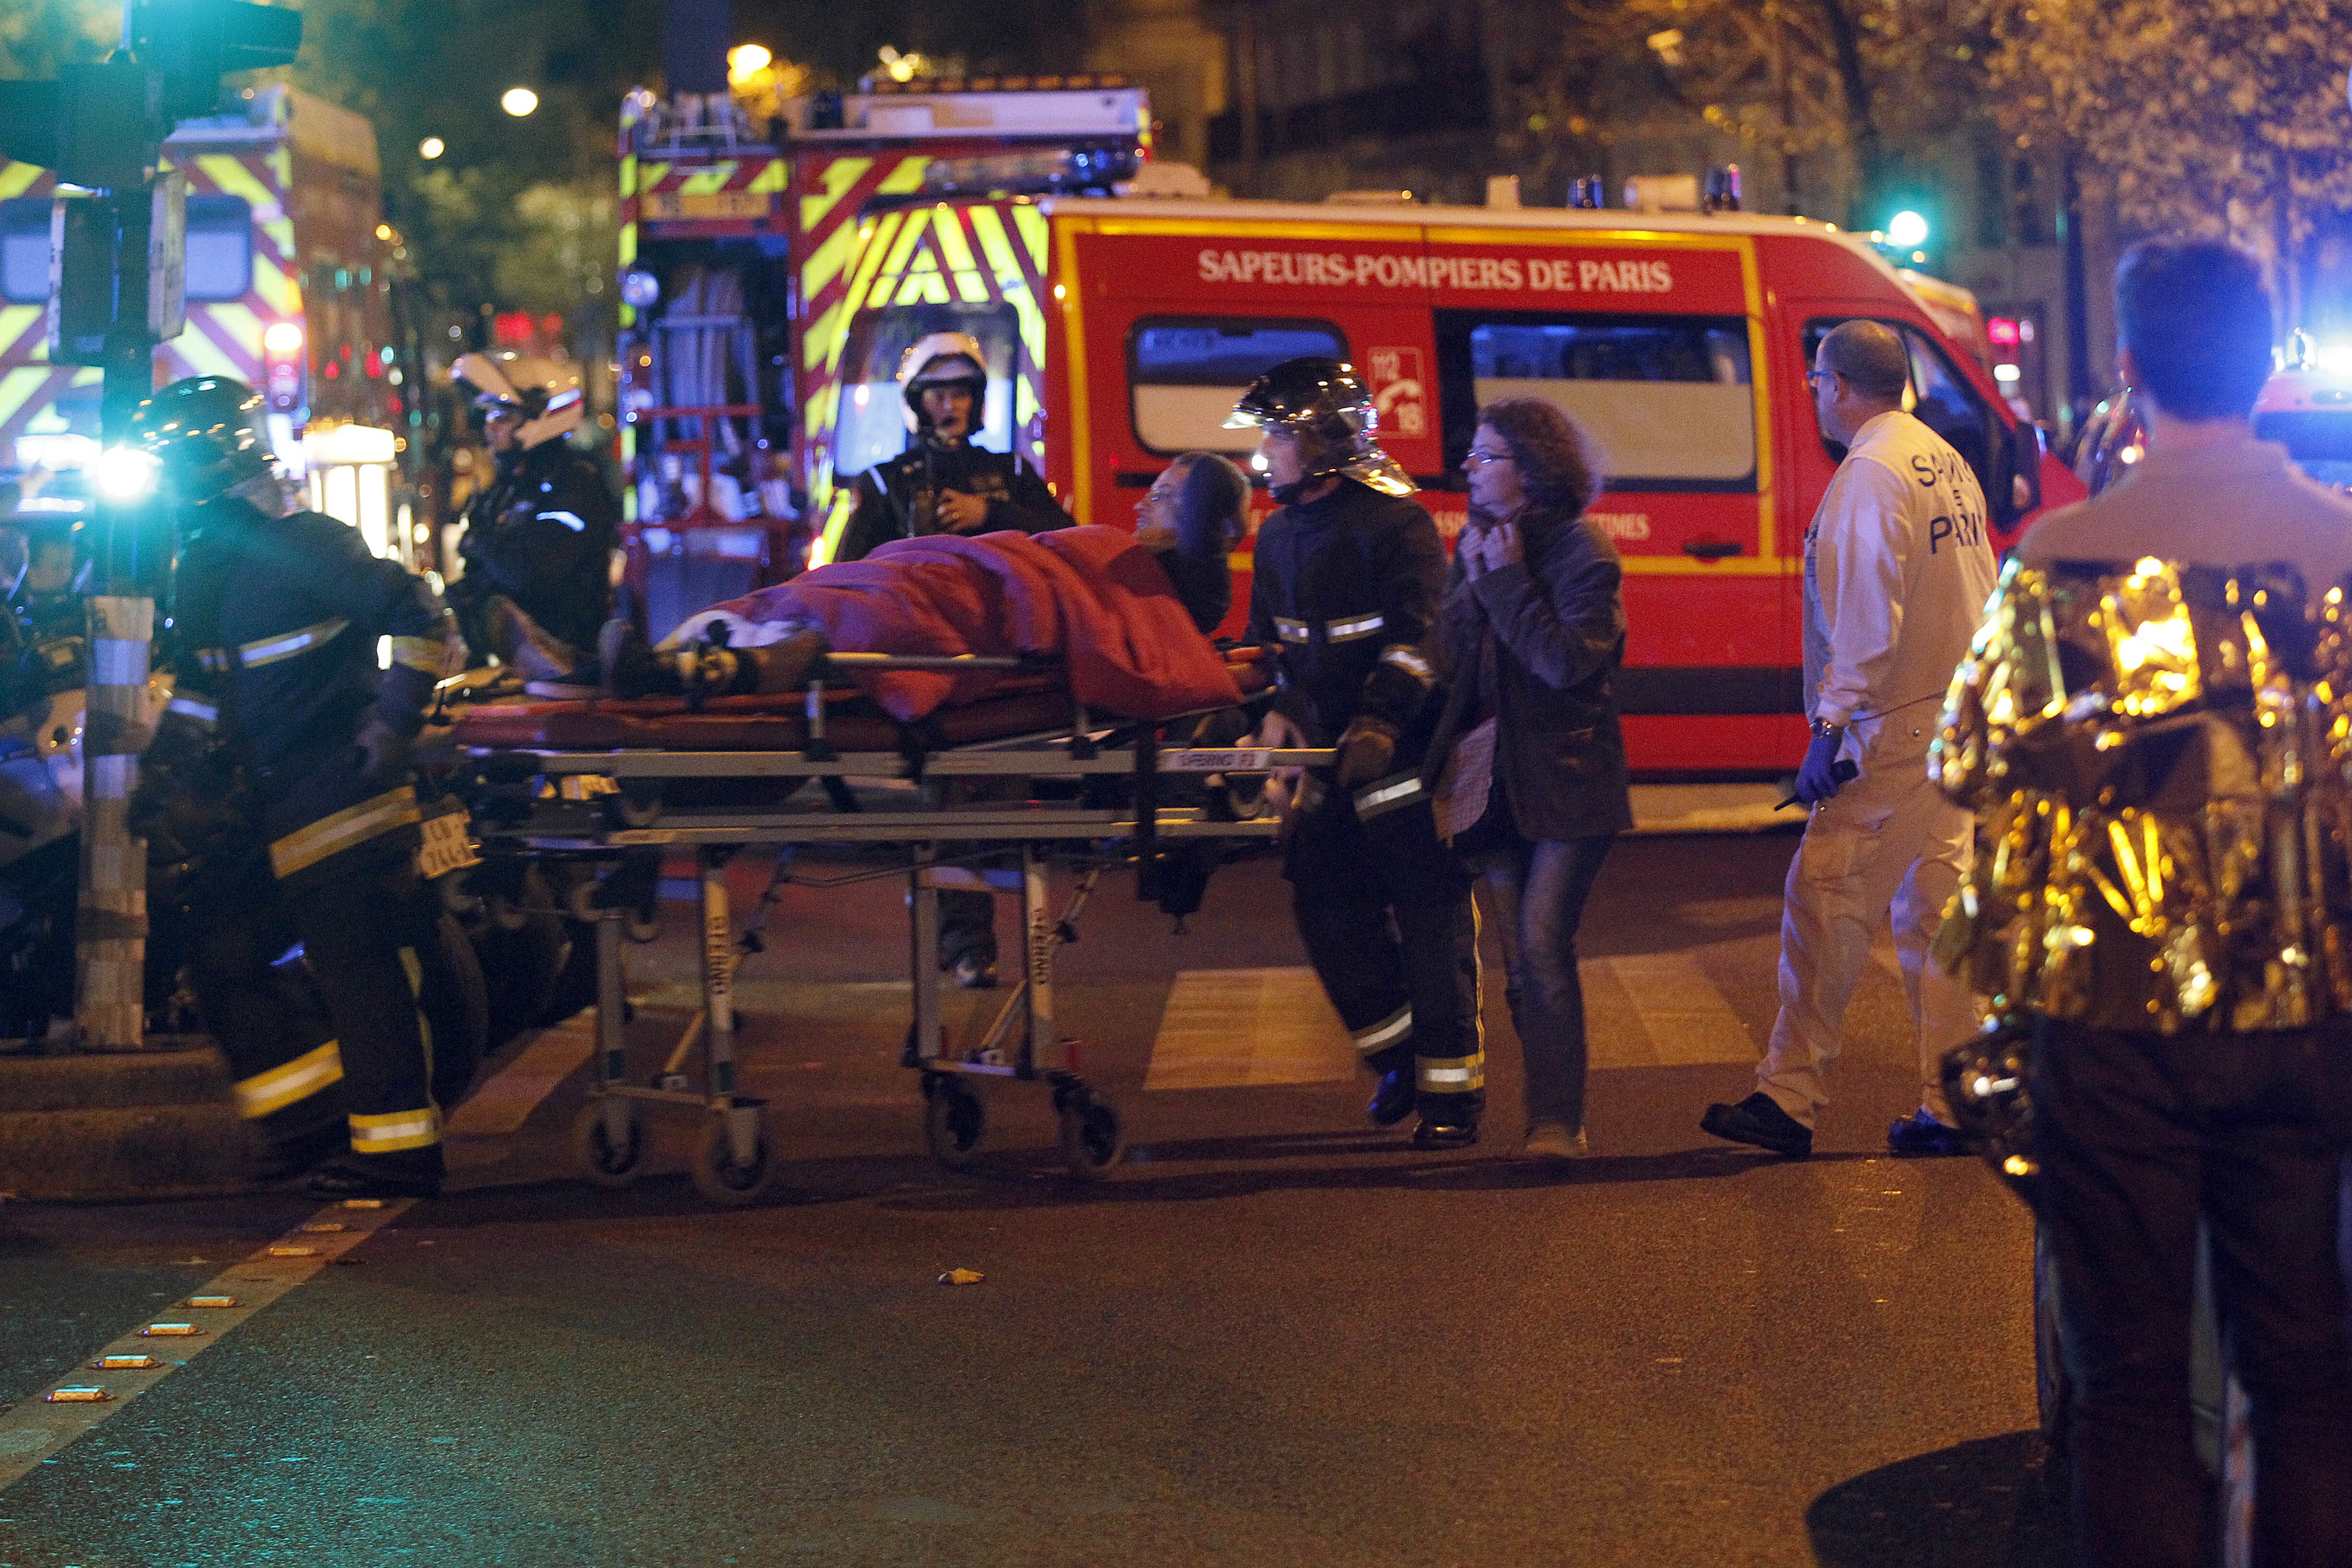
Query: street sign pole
pixel 111 932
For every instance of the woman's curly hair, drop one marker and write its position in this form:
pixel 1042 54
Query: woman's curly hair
pixel 1555 456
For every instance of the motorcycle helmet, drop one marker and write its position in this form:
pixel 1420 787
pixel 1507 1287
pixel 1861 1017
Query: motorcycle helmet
pixel 545 394
pixel 1326 406
pixel 204 434
pixel 942 359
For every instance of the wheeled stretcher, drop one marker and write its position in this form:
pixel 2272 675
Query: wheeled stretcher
pixel 608 786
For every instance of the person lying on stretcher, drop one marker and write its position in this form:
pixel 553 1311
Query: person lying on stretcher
pixel 1128 616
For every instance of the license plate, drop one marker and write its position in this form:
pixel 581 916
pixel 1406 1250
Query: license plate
pixel 448 845
pixel 706 205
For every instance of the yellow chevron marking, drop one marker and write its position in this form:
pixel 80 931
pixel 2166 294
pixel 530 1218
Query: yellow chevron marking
pixel 989 224
pixel 281 235
pixel 281 168
pixel 952 244
pixel 903 249
pixel 866 263
pixel 1032 224
pixel 838 176
pixel 18 323
pixel 202 355
pixel 628 245
pixel 87 375
pixel 650 176
pixel 229 175
pixel 824 263
pixel 277 286
pixel 628 176
pixel 971 287
pixel 704 181
pixel 820 333
pixel 771 178
pixel 240 326
pixel 15 179
pixel 906 178
pixel 18 387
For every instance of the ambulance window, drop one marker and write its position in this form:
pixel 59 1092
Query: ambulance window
pixel 872 425
pixel 1185 373
pixel 25 250
pixel 220 248
pixel 1668 400
pixel 1940 397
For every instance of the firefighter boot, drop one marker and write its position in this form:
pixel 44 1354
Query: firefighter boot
pixel 403 1174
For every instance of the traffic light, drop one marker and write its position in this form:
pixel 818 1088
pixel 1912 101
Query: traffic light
pixel 194 43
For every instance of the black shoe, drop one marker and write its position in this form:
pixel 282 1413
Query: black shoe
pixel 283 1159
pixel 1392 1098
pixel 627 665
pixel 1758 1121
pixel 975 972
pixel 1432 1134
pixel 1921 1134
pixel 356 1176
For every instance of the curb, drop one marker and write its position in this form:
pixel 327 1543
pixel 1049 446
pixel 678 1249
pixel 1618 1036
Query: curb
pixel 94 1128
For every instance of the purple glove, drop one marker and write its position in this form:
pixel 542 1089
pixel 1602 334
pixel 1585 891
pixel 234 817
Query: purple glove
pixel 1820 777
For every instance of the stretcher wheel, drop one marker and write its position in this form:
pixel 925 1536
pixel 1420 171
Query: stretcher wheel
pixel 640 927
pixel 954 1121
pixel 718 1178
pixel 602 1160
pixel 1091 1136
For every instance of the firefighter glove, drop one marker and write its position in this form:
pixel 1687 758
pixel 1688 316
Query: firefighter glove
pixel 383 753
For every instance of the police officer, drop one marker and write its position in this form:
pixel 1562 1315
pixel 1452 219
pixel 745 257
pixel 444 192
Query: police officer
pixel 1345 595
pixel 538 539
pixel 276 616
pixel 943 484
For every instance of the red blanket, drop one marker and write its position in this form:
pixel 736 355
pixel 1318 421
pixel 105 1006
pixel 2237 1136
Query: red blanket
pixel 1089 594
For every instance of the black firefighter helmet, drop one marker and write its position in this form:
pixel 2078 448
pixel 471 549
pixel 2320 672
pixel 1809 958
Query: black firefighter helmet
pixel 1326 406
pixel 204 433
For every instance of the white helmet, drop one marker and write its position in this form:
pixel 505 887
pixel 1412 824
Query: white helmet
pixel 546 394
pixel 940 349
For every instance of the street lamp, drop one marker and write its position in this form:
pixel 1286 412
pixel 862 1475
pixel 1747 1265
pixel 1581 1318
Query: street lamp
pixel 1906 231
pixel 518 102
pixel 432 147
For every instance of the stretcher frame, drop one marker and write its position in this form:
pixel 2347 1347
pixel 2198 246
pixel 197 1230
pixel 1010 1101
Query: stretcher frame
pixel 738 1157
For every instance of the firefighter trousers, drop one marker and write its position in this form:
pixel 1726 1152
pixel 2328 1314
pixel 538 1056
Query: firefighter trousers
pixel 343 851
pixel 1386 915
pixel 256 992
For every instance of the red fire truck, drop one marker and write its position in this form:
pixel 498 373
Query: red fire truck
pixel 741 258
pixel 289 274
pixel 1679 341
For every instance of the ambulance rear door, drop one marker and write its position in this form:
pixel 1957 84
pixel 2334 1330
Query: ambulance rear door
pixel 1654 343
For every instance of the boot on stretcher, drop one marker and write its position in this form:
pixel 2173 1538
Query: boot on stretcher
pixel 631 666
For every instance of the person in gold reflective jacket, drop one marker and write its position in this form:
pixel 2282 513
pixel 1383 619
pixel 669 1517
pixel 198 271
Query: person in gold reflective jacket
pixel 2154 731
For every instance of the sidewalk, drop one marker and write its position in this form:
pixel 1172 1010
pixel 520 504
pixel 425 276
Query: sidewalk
pixel 147 1124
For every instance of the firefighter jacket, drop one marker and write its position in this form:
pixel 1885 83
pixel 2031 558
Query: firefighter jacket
pixel 2155 754
pixel 1344 592
pixel 899 499
pixel 277 622
pixel 542 535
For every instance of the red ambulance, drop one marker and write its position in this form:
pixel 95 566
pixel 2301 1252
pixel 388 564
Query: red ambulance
pixel 1120 329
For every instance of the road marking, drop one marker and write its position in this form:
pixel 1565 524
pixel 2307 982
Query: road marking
pixel 1237 1029
pixel 506 1102
pixel 1684 1018
pixel 37 1431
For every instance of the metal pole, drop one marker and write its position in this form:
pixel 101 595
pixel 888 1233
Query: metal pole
pixel 111 932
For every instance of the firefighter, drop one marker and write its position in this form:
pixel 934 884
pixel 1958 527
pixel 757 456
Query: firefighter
pixel 944 484
pixel 1345 593
pixel 539 541
pixel 276 619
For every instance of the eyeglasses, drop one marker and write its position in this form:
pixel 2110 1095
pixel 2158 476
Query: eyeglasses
pixel 1478 458
pixel 1813 378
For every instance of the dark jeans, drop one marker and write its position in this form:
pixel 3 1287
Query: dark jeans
pixel 1538 889
pixel 2139 1136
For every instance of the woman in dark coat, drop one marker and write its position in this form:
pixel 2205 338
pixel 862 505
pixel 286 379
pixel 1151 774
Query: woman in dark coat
pixel 1532 631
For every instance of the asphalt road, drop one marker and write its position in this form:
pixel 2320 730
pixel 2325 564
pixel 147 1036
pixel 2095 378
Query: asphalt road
pixel 1273 1337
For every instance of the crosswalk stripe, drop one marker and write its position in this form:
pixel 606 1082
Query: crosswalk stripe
pixel 1234 1028
pixel 1683 1018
